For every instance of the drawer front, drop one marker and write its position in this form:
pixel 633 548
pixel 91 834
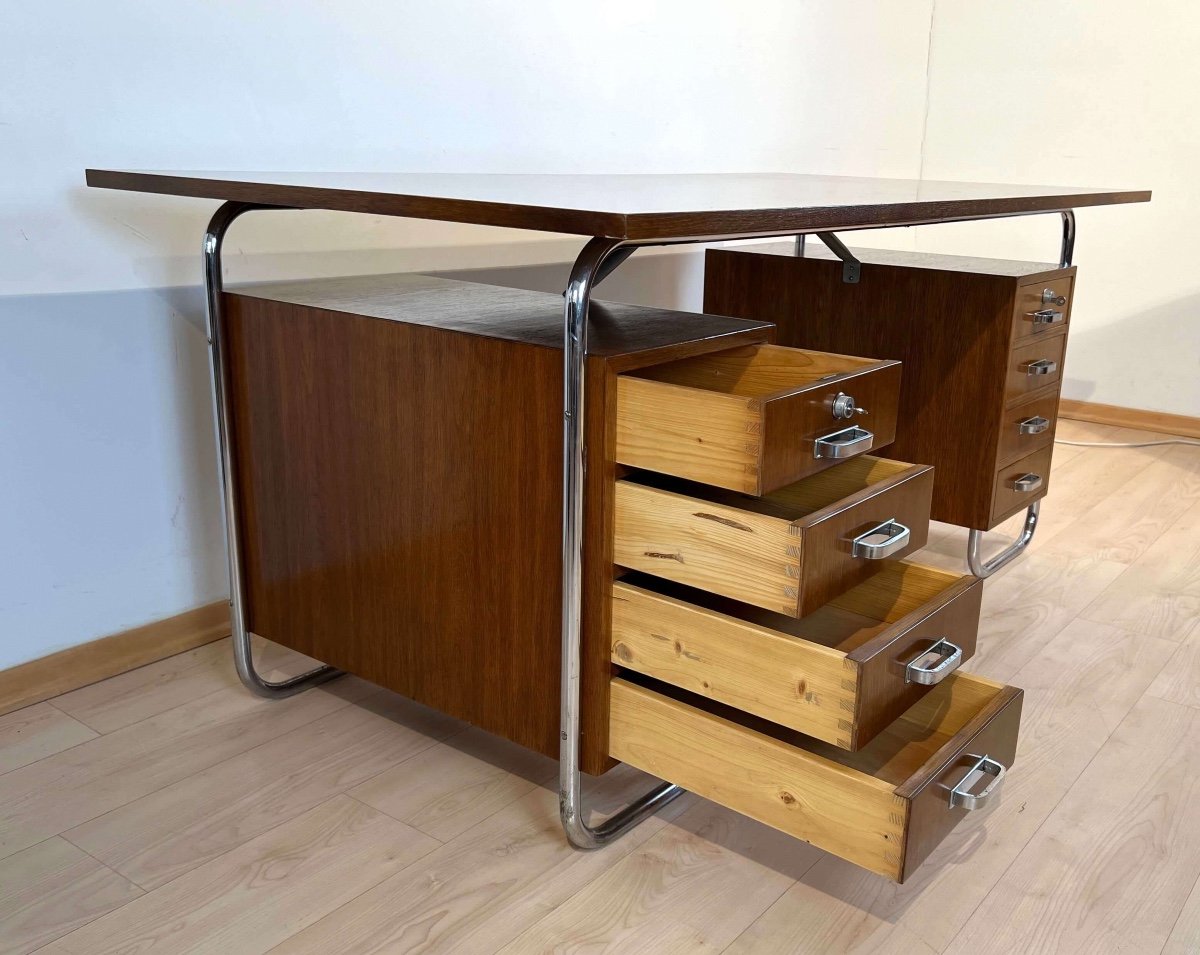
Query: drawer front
pixel 1037 311
pixel 772 552
pixel 884 809
pixel 1008 497
pixel 792 672
pixel 1034 366
pixel 1027 427
pixel 753 419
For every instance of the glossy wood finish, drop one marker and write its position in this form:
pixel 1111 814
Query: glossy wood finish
pixel 748 419
pixel 951 320
pixel 636 207
pixel 884 807
pixel 789 551
pixel 837 675
pixel 399 443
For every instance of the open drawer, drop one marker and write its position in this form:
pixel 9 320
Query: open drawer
pixel 756 418
pixel 884 808
pixel 842 674
pixel 791 550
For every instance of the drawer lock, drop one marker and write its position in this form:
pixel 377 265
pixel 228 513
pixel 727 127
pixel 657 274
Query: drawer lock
pixel 1051 297
pixel 843 444
pixel 844 406
pixel 921 669
pixel 1027 482
pixel 961 796
pixel 880 541
pixel 1043 366
pixel 1035 425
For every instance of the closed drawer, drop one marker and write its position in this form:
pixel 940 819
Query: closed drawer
pixel 1021 483
pixel 1034 366
pixel 842 674
pixel 1037 310
pixel 1027 427
pixel 754 419
pixel 884 808
pixel 789 551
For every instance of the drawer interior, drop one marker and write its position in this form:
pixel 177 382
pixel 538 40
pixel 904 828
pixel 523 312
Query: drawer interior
pixel 846 624
pixel 793 501
pixel 755 371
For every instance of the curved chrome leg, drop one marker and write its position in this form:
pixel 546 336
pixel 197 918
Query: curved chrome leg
pixel 213 239
pixel 589 269
pixel 982 568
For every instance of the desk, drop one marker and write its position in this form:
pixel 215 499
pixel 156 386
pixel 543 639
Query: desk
pixel 620 214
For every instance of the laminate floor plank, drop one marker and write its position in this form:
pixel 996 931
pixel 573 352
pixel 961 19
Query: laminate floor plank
pixel 484 888
pixel 1179 680
pixel 1185 933
pixel 65 790
pixel 450 787
pixel 35 732
pixel 50 889
pixel 1159 593
pixel 697 883
pixel 254 896
pixel 1111 869
pixel 160 836
pixel 1077 691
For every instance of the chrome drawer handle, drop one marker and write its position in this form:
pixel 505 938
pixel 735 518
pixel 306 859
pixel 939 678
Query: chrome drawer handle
pixel 1035 425
pixel 962 798
pixel 1027 482
pixel 895 537
pixel 951 657
pixel 1050 297
pixel 1043 366
pixel 843 444
pixel 1045 316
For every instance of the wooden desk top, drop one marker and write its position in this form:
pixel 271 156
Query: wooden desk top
pixel 628 206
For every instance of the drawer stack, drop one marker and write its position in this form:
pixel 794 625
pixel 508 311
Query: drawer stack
pixel 982 342
pixel 775 654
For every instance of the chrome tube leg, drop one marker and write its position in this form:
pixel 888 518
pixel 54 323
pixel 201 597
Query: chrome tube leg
pixel 213 239
pixel 985 568
pixel 589 269
pixel 1066 252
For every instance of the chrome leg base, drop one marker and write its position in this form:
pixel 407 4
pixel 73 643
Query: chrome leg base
pixel 985 568
pixel 214 237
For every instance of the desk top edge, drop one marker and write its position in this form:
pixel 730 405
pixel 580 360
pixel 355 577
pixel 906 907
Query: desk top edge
pixel 632 207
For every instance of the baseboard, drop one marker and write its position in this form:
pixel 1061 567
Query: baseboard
pixel 1159 421
pixel 97 660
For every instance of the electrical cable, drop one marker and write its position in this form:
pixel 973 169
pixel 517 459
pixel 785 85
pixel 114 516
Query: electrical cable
pixel 1128 444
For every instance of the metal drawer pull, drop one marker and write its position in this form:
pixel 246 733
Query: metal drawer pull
pixel 1043 366
pixel 1045 316
pixel 895 537
pixel 1050 297
pixel 1027 482
pixel 951 657
pixel 1035 425
pixel 843 444
pixel 962 798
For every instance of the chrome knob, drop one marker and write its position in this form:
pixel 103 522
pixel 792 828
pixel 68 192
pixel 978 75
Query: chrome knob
pixel 844 406
pixel 1050 297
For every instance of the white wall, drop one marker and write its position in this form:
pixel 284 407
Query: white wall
pixel 109 517
pixel 1099 93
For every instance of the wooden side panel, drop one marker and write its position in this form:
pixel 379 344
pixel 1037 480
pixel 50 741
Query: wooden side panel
pixel 781 678
pixel 726 550
pixel 838 809
pixel 883 693
pixel 993 733
pixel 401 491
pixel 688 432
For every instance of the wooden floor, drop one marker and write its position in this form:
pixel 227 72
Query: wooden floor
pixel 167 810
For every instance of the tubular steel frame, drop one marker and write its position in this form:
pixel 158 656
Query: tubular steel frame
pixel 598 259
